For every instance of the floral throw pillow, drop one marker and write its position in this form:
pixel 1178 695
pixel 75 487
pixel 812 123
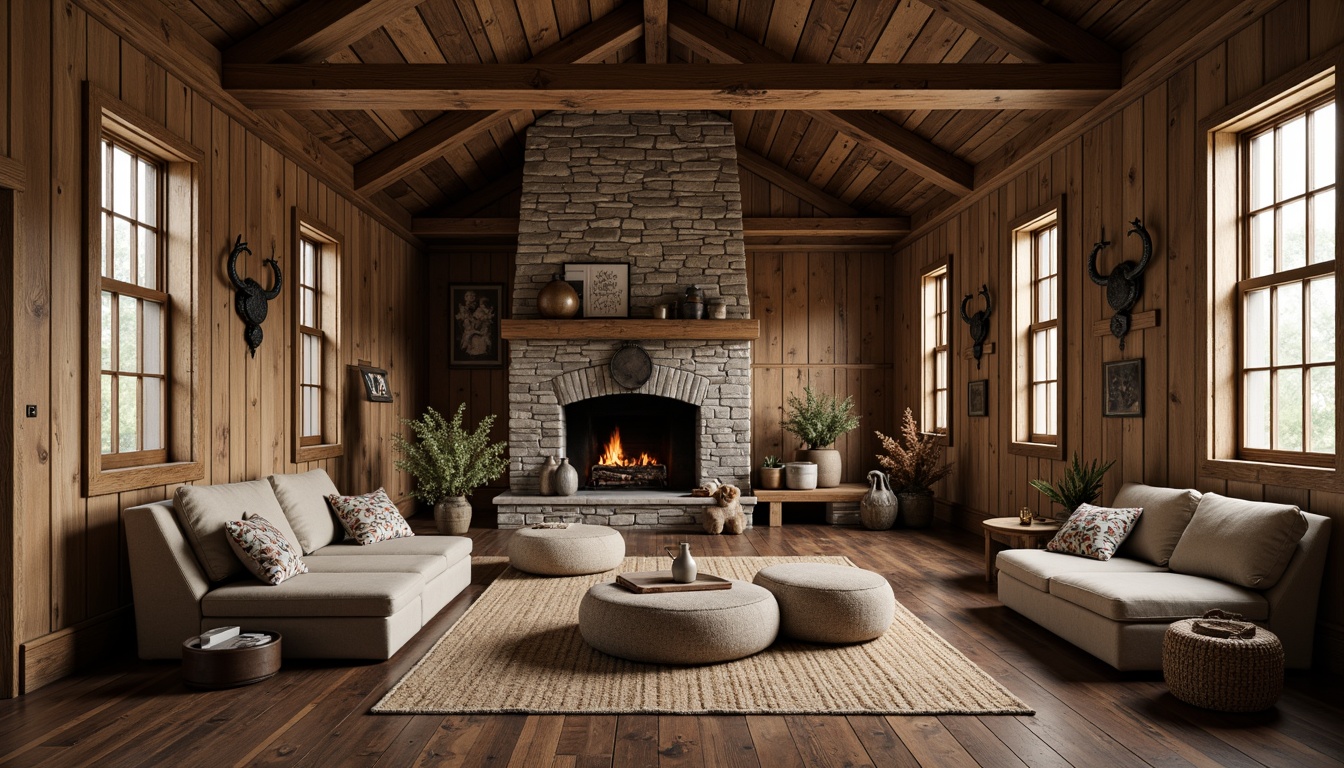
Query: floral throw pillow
pixel 371 518
pixel 1094 532
pixel 263 549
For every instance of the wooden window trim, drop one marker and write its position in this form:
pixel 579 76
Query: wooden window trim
pixel 329 444
pixel 1021 304
pixel 181 460
pixel 1221 243
pixel 927 274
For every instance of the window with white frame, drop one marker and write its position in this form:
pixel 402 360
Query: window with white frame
pixel 1043 335
pixel 937 367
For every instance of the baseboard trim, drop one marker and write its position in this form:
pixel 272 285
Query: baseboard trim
pixel 66 651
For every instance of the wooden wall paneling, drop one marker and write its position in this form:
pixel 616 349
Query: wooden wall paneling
pixel 222 319
pixel 1245 61
pixel 68 508
pixel 1182 443
pixel 32 326
pixel 1160 226
pixel 821 308
pixel 1327 18
pixel 1132 207
pixel 250 198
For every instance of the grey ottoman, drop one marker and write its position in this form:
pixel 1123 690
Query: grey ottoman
pixel 823 603
pixel 679 627
pixel 572 551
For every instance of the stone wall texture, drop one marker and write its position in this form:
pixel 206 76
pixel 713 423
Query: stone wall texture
pixel 656 190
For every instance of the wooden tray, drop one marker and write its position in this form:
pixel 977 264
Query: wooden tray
pixel 649 582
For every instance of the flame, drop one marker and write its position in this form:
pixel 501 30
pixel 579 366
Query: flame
pixel 613 455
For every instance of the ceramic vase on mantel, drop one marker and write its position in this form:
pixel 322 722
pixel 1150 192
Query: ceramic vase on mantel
pixel 829 466
pixel 546 476
pixel 877 511
pixel 916 509
pixel 558 299
pixel 566 478
pixel 452 516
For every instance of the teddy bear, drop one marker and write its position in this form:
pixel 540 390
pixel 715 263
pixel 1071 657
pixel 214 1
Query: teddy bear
pixel 728 514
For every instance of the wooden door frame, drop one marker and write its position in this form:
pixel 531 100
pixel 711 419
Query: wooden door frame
pixel 11 182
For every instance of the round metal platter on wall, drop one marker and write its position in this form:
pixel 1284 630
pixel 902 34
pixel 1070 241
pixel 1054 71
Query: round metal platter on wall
pixel 631 366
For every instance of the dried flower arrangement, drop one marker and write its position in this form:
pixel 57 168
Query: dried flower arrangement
pixel 914 463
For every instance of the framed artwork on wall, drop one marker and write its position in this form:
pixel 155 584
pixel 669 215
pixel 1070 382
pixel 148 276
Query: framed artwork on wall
pixel 474 337
pixel 606 288
pixel 977 397
pixel 376 387
pixel 1122 382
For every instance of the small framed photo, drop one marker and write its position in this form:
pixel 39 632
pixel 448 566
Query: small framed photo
pixel 474 339
pixel 375 384
pixel 606 288
pixel 1123 388
pixel 977 397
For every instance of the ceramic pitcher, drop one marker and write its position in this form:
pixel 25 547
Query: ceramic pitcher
pixel 683 565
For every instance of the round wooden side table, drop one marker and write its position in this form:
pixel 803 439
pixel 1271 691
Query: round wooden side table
pixel 1016 535
pixel 229 667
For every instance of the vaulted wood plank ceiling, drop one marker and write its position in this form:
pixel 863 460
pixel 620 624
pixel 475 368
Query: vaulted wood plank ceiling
pixel 885 162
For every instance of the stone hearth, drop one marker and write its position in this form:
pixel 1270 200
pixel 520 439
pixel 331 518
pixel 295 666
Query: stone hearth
pixel 657 191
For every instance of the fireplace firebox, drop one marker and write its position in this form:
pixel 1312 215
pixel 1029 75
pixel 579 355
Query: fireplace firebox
pixel 630 441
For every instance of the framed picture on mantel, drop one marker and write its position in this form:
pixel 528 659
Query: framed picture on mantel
pixel 474 339
pixel 606 288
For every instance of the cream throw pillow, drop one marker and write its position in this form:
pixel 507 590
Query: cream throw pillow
pixel 304 498
pixel 203 510
pixel 1166 513
pixel 1243 542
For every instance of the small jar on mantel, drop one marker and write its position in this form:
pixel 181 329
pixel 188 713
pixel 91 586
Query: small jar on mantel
pixel 717 309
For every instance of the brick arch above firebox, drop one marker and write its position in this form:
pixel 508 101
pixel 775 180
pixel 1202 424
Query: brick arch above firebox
pixel 596 381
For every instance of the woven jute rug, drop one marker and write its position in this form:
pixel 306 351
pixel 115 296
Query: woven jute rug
pixel 518 649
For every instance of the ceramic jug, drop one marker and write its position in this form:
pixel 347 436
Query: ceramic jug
pixel 877 511
pixel 683 565
pixel 566 478
pixel 546 476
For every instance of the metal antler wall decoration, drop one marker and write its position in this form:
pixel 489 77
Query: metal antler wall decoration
pixel 1125 283
pixel 979 322
pixel 250 300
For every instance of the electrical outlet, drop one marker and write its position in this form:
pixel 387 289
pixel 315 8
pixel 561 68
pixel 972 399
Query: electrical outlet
pixel 30 411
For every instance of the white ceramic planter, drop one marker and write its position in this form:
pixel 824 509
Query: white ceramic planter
pixel 800 475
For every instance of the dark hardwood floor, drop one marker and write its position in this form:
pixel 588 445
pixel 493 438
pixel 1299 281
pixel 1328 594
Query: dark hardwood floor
pixel 316 714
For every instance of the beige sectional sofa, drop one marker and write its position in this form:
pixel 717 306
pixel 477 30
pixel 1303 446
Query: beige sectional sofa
pixel 1187 553
pixel 355 602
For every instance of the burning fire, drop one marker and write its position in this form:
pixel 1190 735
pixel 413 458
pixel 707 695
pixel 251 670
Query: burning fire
pixel 613 455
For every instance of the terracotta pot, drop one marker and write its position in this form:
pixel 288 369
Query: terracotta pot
pixel 452 516
pixel 829 465
pixel 772 478
pixel 916 509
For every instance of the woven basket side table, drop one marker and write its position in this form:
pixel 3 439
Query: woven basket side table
pixel 1223 674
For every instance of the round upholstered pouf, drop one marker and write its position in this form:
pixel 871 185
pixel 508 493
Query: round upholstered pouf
pixel 571 551
pixel 823 603
pixel 1225 674
pixel 703 627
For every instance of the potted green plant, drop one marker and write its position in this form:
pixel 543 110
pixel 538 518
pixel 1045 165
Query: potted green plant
pixel 772 473
pixel 449 464
pixel 820 420
pixel 914 463
pixel 1080 485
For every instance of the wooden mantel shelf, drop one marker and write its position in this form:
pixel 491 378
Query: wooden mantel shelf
pixel 616 328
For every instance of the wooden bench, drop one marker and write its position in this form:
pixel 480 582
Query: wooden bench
pixel 776 499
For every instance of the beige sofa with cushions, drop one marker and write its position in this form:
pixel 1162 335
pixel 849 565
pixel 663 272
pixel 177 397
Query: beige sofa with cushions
pixel 355 602
pixel 1188 553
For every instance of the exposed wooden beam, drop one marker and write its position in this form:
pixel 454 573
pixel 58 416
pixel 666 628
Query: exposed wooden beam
pixel 592 43
pixel 687 86
pixel 1027 29
pixel 655 31
pixel 804 227
pixel 886 226
pixel 717 42
pixel 315 30
pixel 795 186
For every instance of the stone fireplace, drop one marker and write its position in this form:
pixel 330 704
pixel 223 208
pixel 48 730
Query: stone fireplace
pixel 657 191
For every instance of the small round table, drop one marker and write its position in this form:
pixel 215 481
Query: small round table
pixel 1016 535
